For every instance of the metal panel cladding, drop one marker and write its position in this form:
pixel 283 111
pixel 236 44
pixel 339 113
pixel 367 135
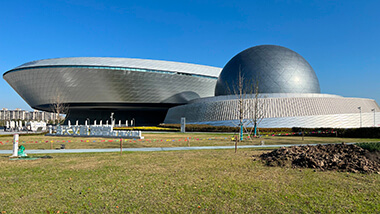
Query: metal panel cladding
pixel 86 81
pixel 276 69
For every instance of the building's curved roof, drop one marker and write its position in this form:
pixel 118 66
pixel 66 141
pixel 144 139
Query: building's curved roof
pixel 265 95
pixel 159 65
pixel 274 68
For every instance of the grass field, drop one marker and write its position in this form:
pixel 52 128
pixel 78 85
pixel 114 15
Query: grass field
pixel 217 181
pixel 163 140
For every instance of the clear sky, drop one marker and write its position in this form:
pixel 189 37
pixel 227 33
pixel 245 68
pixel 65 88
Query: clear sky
pixel 340 39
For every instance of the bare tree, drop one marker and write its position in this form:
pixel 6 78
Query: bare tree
pixel 241 94
pixel 59 108
pixel 256 112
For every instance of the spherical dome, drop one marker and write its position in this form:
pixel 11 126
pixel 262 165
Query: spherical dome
pixel 276 69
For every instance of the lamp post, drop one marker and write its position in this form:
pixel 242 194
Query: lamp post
pixel 360 109
pixel 374 117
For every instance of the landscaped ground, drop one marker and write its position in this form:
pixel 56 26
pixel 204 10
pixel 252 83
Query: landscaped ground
pixel 162 140
pixel 216 181
pixel 185 181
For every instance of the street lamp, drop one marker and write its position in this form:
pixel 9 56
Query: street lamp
pixel 360 108
pixel 374 117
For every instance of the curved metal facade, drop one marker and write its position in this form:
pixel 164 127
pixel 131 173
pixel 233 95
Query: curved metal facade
pixel 111 62
pixel 302 111
pixel 111 83
pixel 276 69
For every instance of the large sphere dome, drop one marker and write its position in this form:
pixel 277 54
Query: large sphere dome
pixel 276 69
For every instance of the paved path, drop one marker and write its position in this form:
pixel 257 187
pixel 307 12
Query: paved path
pixel 148 149
pixel 2 132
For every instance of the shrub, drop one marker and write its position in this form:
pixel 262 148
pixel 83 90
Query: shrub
pixel 209 128
pixel 146 128
pixel 371 132
pixel 370 146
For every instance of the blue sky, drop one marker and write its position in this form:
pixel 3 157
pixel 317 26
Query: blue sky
pixel 340 39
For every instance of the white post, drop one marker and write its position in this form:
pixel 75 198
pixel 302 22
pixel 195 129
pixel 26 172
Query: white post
pixel 101 122
pixel 119 123
pixel 361 120
pixel 69 123
pixel 183 124
pixel 15 145
pixel 76 123
pixel 94 122
pixel 107 122
pixel 126 123
pixel 85 122
pixel 374 117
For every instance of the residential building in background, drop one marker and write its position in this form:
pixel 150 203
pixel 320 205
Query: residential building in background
pixel 19 114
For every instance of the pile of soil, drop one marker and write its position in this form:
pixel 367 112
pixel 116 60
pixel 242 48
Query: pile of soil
pixel 341 157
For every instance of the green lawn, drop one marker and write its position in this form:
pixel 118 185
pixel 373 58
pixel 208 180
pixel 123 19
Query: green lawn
pixel 163 140
pixel 216 181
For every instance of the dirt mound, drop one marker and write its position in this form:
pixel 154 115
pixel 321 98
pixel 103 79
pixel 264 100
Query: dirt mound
pixel 341 157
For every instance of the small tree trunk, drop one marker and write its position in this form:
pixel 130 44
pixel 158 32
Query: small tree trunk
pixel 121 146
pixel 236 142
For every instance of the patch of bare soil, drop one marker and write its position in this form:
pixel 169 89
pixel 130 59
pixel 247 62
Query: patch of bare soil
pixel 341 157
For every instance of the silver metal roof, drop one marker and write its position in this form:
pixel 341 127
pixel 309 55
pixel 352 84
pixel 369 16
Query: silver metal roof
pixel 128 63
pixel 276 69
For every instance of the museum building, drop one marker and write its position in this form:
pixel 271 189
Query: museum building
pixel 150 92
pixel 94 88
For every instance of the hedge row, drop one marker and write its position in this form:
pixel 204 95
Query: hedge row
pixel 209 128
pixel 201 128
pixel 373 132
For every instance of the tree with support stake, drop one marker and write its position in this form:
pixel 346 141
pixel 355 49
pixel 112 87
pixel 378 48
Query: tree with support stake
pixel 256 112
pixel 250 111
pixel 240 92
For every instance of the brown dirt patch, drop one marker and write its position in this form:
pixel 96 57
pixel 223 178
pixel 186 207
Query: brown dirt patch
pixel 340 157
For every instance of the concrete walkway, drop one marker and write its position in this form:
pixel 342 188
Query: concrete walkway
pixel 150 149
